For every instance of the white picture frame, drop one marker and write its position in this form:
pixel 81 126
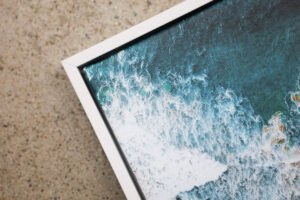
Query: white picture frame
pixel 72 67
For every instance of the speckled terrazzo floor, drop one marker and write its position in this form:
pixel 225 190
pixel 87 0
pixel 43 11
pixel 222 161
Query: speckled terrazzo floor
pixel 48 149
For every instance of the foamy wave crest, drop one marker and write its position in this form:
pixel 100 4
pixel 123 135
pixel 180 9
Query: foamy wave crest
pixel 179 133
pixel 150 124
pixel 186 139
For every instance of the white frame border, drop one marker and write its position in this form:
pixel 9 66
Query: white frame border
pixel 72 64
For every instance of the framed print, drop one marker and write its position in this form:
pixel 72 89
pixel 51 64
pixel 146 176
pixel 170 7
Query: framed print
pixel 199 102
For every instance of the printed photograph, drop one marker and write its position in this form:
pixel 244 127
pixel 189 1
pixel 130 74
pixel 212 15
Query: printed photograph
pixel 209 107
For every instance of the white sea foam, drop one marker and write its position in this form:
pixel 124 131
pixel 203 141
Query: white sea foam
pixel 157 132
pixel 177 141
pixel 163 170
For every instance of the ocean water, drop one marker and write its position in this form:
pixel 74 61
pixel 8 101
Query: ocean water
pixel 209 108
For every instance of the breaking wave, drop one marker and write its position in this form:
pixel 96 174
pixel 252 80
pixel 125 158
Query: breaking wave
pixel 180 134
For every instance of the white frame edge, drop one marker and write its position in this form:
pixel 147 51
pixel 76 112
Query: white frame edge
pixel 72 64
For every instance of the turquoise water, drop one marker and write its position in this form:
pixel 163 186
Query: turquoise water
pixel 210 107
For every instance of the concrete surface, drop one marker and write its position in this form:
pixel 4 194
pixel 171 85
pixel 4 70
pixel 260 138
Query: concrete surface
pixel 48 149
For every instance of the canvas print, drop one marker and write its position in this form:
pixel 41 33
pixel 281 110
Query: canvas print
pixel 209 107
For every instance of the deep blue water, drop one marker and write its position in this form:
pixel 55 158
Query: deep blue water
pixel 223 84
